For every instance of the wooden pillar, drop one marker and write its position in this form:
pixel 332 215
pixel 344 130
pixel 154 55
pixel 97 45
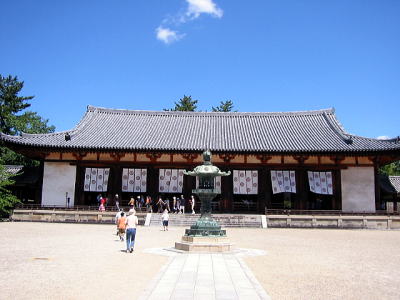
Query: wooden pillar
pixel 268 188
pixel 152 182
pixel 377 188
pixel 337 192
pixel 114 183
pixel 39 187
pixel 302 189
pixel 226 193
pixel 79 185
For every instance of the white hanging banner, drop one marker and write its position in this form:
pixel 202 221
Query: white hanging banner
pixel 144 180
pixel 174 181
pixel 274 182
pixel 279 175
pixel 170 181
pixel 138 179
pixel 324 188
pixel 217 184
pixel 283 181
pixel 180 180
pixel 311 181
pixel 93 180
pixel 245 182
pixel 96 179
pixel 242 182
pixel 320 182
pixel 131 180
pixel 286 182
pixel 293 181
pixel 86 187
pixel 317 182
pixel 161 180
pixel 236 182
pixel 100 179
pixel 125 180
pixel 329 183
pixel 254 182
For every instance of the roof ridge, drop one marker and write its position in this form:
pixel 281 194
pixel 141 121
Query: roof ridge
pixel 337 128
pixel 91 108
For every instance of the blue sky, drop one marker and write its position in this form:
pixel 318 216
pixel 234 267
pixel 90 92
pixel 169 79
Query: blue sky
pixel 263 55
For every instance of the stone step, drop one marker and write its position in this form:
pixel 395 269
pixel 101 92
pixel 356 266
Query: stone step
pixel 225 220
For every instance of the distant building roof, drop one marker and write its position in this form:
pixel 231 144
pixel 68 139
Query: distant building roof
pixel 13 169
pixel 390 184
pixel 103 129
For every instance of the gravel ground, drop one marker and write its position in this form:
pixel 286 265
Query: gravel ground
pixel 80 261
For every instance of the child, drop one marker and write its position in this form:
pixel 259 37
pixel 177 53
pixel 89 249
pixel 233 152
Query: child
pixel 165 218
pixel 121 226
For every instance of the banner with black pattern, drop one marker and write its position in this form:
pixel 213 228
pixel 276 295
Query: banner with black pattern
pixel 134 180
pixel 96 179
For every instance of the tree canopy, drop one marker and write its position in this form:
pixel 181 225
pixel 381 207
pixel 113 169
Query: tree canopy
pixel 185 104
pixel 225 106
pixel 14 120
pixel 7 199
pixel 392 169
pixel 188 104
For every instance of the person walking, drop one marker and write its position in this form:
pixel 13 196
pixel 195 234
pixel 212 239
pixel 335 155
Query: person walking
pixel 132 203
pixel 131 222
pixel 148 204
pixel 102 207
pixel 193 202
pixel 116 200
pixel 117 217
pixel 121 226
pixel 165 219
pixel 182 205
pixel 160 204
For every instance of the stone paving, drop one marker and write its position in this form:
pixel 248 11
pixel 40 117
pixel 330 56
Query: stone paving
pixel 87 261
pixel 205 276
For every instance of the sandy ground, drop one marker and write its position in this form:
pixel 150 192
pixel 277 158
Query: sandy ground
pixel 79 261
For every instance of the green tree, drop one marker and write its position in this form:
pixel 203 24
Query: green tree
pixel 7 200
pixel 392 169
pixel 185 104
pixel 13 120
pixel 225 106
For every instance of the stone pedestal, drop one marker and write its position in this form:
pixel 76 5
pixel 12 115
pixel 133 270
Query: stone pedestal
pixel 204 244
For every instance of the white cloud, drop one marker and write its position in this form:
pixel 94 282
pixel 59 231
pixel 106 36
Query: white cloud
pixel 197 7
pixel 194 9
pixel 383 137
pixel 167 35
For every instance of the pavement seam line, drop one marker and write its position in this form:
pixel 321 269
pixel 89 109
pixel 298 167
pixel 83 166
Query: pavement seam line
pixel 261 292
pixel 151 287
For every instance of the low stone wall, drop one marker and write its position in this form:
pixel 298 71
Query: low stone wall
pixel 321 221
pixel 65 216
pixel 225 220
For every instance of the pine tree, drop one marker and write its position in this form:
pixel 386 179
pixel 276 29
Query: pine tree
pixel 225 106
pixel 185 104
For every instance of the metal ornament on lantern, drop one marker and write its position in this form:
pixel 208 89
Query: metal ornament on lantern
pixel 206 225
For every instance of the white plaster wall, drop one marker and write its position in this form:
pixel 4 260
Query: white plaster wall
pixel 58 178
pixel 358 189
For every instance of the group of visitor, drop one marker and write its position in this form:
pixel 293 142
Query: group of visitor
pixel 176 205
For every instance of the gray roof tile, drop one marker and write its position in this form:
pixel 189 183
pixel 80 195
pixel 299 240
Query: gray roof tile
pixel 113 129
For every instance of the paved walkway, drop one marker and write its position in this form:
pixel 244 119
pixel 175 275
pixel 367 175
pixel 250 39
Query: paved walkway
pixel 205 276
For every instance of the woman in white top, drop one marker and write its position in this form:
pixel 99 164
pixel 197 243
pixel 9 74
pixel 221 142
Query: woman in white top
pixel 131 222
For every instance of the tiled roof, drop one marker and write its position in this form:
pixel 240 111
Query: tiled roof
pixel 13 169
pixel 283 132
pixel 390 184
